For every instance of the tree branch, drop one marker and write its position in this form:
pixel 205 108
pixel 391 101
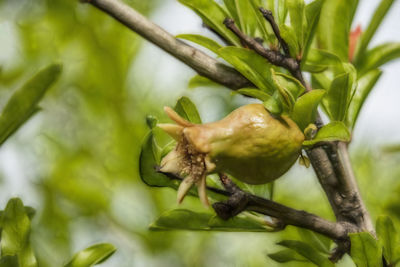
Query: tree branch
pixel 331 164
pixel 194 58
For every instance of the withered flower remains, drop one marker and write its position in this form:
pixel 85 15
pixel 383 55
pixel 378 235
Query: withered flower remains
pixel 249 144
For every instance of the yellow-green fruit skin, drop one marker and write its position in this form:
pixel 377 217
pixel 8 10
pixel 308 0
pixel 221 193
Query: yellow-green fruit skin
pixel 249 143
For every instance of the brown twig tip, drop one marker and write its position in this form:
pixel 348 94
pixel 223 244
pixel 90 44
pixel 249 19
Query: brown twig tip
pixel 266 13
pixel 228 22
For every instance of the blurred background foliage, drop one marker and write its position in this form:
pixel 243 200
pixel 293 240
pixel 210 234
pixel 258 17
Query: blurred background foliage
pixel 76 162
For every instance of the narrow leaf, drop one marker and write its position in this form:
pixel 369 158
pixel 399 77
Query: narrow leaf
pixel 379 56
pixel 374 24
pixel 201 81
pixel 334 131
pixel 305 108
pixel 92 255
pixel 307 252
pixel 23 103
pixel 187 109
pixel 338 96
pixel 253 66
pixel 182 219
pixel 312 13
pixel 286 255
pixel 254 93
pixel 388 238
pixel 365 250
pixel 15 233
pixel 364 86
pixel 334 26
pixel 213 15
pixel 201 40
pixel 296 10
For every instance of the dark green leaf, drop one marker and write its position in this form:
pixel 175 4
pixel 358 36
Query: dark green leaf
pixel 307 252
pixel 378 56
pixel 15 233
pixel 187 109
pixel 334 131
pixel 313 11
pixel 375 22
pixel 337 98
pixel 147 164
pixel 201 40
pixel 254 93
pixel 297 14
pixel 253 66
pixel 23 103
pixel 334 26
pixel 9 261
pixel 305 108
pixel 365 250
pixel 289 35
pixel 181 219
pixel 286 255
pixel 92 255
pixel 388 238
pixel 364 86
pixel 213 15
pixel 319 242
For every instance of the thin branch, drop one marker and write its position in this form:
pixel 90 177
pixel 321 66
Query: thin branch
pixel 270 18
pixel 274 57
pixel 194 58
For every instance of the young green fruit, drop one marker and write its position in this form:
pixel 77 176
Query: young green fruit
pixel 249 144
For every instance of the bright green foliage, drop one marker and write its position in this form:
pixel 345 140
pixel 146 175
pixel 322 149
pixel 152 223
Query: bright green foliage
pixel 15 231
pixel 201 40
pixel 334 26
pixel 305 108
pixel 378 56
pixel 333 131
pixel 253 66
pixel 181 219
pixel 365 250
pixel 307 251
pixel 374 24
pixel 187 110
pixel 92 255
pixel 388 239
pixel 23 103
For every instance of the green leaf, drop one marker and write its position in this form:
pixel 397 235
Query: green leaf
pixel 286 255
pixel 201 40
pixel 388 238
pixel 187 109
pixel 319 242
pixel 364 86
pixel 297 15
pixel 321 60
pixel 92 255
pixel 334 131
pixel 305 108
pixel 199 81
pixel 334 26
pixel 151 121
pixel 378 56
pixel 289 89
pixel 312 14
pixel 273 105
pixel 374 24
pixel 147 164
pixel 307 252
pixel 15 233
pixel 253 66
pixel 181 219
pixel 254 93
pixel 338 97
pixel 247 17
pixel 213 15
pixel 23 103
pixel 365 250
pixel 9 261
pixel 289 35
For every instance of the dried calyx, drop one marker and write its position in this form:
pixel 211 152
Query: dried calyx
pixel 249 144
